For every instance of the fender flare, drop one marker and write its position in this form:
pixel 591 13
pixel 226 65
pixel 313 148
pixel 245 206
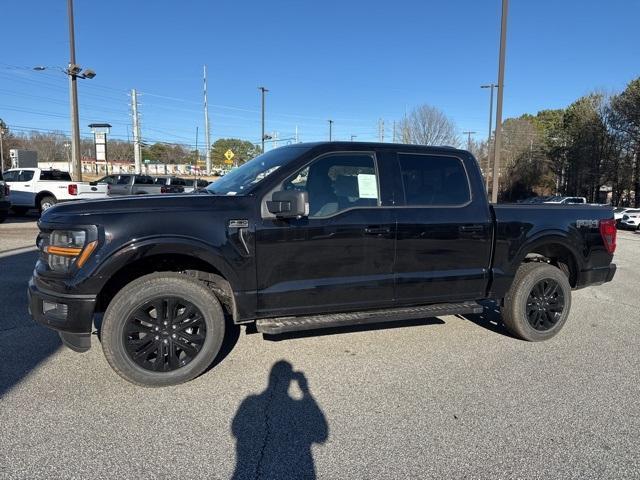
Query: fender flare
pixel 165 245
pixel 545 237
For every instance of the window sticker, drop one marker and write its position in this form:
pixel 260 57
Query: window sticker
pixel 367 185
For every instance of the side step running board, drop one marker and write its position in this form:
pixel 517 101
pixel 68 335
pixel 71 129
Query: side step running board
pixel 312 322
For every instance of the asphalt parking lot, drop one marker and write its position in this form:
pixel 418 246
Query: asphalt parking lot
pixel 437 398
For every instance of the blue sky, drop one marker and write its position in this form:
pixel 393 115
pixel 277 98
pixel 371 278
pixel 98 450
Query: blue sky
pixel 351 61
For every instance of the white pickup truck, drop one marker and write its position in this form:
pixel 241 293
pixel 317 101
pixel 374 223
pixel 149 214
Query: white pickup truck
pixel 42 189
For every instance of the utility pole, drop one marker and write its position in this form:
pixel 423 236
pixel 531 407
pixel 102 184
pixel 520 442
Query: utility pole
pixel 137 151
pixel 381 130
pixel 197 151
pixel 73 94
pixel 296 137
pixel 263 91
pixel 469 133
pixel 2 132
pixel 394 131
pixel 352 137
pixel 330 130
pixel 498 142
pixel 488 166
pixel 207 138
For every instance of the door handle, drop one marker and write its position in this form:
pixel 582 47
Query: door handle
pixel 471 228
pixel 377 230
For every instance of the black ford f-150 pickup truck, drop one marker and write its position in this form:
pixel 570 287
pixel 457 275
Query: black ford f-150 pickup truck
pixel 304 237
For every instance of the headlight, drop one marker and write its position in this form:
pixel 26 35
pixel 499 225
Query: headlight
pixel 66 248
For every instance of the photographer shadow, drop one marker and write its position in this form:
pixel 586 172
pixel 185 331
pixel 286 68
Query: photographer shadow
pixel 274 432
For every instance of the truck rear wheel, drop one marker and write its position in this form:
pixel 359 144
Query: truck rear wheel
pixel 162 329
pixel 538 302
pixel 46 203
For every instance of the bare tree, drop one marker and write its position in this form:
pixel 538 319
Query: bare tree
pixel 427 125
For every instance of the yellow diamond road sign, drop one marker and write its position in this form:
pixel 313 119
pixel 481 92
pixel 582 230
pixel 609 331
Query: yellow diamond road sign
pixel 229 155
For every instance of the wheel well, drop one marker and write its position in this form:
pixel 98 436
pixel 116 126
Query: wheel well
pixel 194 267
pixel 557 255
pixel 43 194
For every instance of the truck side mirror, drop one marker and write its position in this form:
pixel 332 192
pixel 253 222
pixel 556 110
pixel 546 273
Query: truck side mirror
pixel 289 204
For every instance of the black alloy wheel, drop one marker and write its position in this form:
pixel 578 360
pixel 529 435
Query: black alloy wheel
pixel 545 304
pixel 164 334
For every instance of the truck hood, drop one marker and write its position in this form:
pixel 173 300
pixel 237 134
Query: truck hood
pixel 87 211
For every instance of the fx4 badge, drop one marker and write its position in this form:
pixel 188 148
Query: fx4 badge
pixel 587 223
pixel 238 223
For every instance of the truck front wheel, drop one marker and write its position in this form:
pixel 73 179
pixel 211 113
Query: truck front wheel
pixel 162 329
pixel 538 302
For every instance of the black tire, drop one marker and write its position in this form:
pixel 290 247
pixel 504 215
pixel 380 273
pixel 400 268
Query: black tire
pixel 131 300
pixel 20 210
pixel 46 203
pixel 531 311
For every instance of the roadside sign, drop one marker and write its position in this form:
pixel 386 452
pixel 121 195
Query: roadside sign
pixel 229 155
pixel 146 160
pixel 230 162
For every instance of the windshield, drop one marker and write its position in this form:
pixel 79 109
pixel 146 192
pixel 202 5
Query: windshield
pixel 239 180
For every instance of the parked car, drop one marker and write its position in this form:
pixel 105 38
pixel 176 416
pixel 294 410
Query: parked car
pixel 619 212
pixel 42 189
pixel 567 200
pixel 304 237
pixel 630 219
pixel 5 199
pixel 131 184
pixel 171 184
pixel 194 184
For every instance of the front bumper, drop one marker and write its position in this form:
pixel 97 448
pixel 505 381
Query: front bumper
pixel 73 317
pixel 596 276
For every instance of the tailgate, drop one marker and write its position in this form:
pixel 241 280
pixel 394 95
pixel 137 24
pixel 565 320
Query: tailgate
pixel 87 191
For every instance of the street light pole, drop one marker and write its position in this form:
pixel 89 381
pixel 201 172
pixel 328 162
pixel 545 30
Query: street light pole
pixel 498 143
pixel 73 98
pixel 330 130
pixel 263 90
pixel 486 173
pixel 469 133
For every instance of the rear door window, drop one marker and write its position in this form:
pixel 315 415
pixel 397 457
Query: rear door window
pixel 432 180
pixel 123 180
pixel 143 180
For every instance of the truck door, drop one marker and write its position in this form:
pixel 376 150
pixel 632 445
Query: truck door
pixel 338 257
pixel 121 185
pixel 444 233
pixel 22 186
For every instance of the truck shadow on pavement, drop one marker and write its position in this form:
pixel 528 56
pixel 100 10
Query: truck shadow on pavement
pixel 23 343
pixel 489 318
pixel 274 432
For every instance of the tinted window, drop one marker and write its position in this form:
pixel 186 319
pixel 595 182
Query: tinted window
pixel 11 176
pixel 110 180
pixel 202 183
pixel 337 182
pixel 55 175
pixel 143 180
pixel 178 181
pixel 160 181
pixel 25 176
pixel 433 180
pixel 124 179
